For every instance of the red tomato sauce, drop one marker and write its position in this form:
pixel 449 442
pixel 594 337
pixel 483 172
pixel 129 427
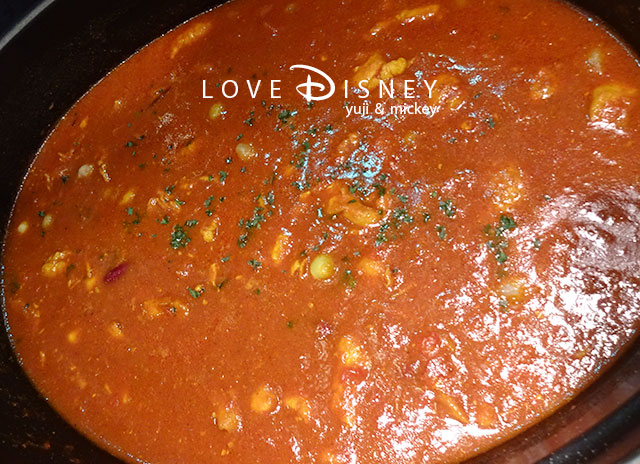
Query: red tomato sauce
pixel 263 279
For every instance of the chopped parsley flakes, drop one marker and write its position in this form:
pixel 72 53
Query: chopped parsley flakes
pixel 447 208
pixel 498 240
pixel 179 238
pixel 195 293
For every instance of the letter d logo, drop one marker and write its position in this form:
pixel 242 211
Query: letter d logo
pixel 306 89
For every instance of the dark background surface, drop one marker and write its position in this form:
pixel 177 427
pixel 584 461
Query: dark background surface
pixel 51 63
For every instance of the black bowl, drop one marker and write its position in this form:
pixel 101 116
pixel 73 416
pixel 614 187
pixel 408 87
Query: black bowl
pixel 49 59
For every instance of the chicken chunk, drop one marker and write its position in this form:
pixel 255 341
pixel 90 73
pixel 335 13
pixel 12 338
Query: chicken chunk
pixel 56 264
pixel 421 13
pixel 375 69
pixel 610 105
pixel 344 202
pixel 506 188
pixel 189 36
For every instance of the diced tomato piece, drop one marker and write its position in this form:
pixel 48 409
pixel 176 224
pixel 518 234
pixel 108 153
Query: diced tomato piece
pixel 354 375
pixel 430 343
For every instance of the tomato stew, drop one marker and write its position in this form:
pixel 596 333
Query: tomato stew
pixel 191 277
